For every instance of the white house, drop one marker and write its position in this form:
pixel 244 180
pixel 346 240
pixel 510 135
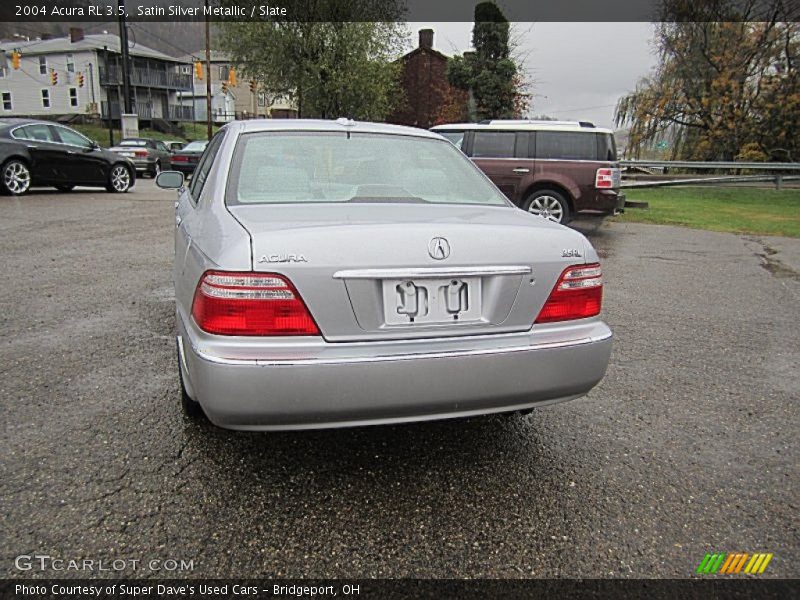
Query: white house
pixel 47 82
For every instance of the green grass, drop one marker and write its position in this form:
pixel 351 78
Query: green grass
pixel 98 133
pixel 733 209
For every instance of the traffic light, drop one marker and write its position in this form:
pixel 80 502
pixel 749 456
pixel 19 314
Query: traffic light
pixel 15 59
pixel 198 69
pixel 53 77
pixel 225 87
pixel 232 77
pixel 81 78
pixel 253 86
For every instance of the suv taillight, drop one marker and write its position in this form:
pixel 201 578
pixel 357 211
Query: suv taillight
pixel 250 304
pixel 607 178
pixel 577 294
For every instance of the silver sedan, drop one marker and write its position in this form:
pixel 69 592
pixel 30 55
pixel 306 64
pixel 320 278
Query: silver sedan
pixel 338 273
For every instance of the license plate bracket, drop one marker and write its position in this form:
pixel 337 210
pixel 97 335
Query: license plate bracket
pixel 432 301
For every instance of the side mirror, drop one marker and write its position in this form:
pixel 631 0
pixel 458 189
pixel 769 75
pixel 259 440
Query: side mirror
pixel 170 180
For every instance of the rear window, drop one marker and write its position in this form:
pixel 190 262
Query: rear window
pixel 566 145
pixel 606 147
pixel 195 147
pixel 307 167
pixel 494 144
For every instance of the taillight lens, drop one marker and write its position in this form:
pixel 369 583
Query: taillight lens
pixel 179 158
pixel 250 304
pixel 140 153
pixel 577 294
pixel 607 178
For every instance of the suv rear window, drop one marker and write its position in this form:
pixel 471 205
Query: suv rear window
pixel 606 148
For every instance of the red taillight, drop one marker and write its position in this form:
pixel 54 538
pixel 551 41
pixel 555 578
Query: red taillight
pixel 179 158
pixel 577 294
pixel 140 153
pixel 250 304
pixel 604 178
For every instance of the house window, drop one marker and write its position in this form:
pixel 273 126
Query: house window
pixel 223 72
pixel 7 101
pixel 42 65
pixel 73 96
pixel 70 64
pixel 46 98
pixel 262 98
pixel 186 69
pixel 2 72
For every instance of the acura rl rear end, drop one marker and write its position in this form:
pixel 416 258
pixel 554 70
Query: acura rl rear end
pixel 339 273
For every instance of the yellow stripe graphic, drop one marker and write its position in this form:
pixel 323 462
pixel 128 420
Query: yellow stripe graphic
pixel 749 566
pixel 765 563
pixel 757 564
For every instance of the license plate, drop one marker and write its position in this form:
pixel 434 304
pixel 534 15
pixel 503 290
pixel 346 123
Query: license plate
pixel 432 301
pixel 129 154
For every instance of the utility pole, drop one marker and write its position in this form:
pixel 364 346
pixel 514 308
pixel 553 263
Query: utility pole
pixel 108 98
pixel 208 75
pixel 123 42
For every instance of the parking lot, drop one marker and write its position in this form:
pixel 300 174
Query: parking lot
pixel 688 446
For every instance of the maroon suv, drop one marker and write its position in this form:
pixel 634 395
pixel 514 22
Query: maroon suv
pixel 550 168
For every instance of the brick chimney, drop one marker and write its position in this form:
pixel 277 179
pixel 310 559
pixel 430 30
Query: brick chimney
pixel 426 38
pixel 75 34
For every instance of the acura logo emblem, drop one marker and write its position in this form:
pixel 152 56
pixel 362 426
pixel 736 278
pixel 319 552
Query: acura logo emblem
pixel 439 248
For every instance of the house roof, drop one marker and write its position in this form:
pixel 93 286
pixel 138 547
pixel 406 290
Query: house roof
pixel 94 41
pixel 421 50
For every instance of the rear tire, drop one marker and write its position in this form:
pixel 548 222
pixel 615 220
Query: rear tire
pixel 191 408
pixel 15 177
pixel 548 204
pixel 65 188
pixel 119 179
pixel 155 170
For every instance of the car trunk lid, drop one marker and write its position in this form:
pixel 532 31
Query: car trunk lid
pixel 394 271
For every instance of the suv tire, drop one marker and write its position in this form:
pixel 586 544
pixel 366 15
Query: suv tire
pixel 548 204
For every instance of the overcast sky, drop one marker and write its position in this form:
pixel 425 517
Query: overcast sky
pixel 578 70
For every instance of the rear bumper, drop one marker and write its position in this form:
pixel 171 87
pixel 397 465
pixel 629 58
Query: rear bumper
pixel 363 384
pixel 184 168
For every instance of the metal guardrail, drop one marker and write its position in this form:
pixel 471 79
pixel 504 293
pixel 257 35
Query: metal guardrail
pixel 779 172
pixel 711 165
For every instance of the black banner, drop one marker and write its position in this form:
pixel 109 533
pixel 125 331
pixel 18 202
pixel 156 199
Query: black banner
pixel 395 10
pixel 700 589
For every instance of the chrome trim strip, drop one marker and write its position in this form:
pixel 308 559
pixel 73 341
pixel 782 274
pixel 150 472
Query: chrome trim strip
pixel 296 362
pixel 426 272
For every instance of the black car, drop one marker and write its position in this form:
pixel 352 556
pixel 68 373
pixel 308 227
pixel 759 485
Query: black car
pixel 185 160
pixel 42 153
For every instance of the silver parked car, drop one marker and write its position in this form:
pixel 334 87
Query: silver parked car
pixel 334 273
pixel 148 155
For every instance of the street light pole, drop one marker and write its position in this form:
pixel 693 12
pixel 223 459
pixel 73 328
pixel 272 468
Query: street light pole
pixel 208 76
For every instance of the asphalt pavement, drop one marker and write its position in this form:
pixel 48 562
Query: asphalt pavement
pixel 688 446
